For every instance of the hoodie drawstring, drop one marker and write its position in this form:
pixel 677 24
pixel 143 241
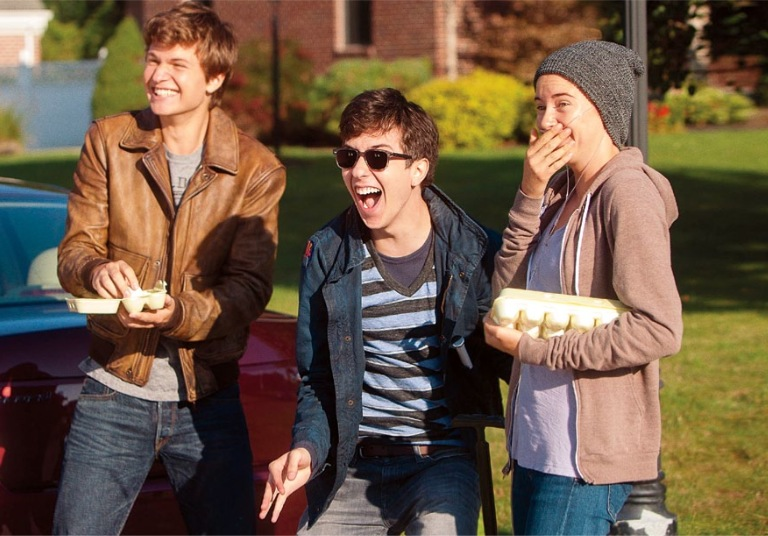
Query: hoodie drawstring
pixel 587 200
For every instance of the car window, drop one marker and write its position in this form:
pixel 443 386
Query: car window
pixel 30 233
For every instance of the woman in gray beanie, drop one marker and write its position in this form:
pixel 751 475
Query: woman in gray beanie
pixel 590 218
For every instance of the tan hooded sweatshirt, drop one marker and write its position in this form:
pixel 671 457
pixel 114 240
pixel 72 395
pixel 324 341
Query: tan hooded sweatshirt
pixel 617 246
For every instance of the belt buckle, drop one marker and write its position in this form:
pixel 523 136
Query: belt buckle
pixel 389 451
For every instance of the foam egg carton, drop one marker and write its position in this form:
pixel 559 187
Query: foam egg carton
pixel 153 298
pixel 546 314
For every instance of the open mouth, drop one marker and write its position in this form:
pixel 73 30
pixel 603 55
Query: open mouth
pixel 161 92
pixel 368 196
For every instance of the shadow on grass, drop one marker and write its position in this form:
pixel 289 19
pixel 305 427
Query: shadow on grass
pixel 720 241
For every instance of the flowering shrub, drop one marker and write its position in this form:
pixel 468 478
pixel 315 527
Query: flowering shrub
pixel 661 119
pixel 346 78
pixel 701 106
pixel 249 95
pixel 480 110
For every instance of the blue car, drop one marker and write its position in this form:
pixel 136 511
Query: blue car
pixel 41 345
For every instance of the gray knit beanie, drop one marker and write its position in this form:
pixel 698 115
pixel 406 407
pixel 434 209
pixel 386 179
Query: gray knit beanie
pixel 606 73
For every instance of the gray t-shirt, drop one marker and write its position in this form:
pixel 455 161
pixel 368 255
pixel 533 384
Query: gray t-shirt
pixel 182 167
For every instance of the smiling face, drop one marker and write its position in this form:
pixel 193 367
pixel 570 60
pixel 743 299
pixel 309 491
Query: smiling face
pixel 560 101
pixel 389 201
pixel 175 83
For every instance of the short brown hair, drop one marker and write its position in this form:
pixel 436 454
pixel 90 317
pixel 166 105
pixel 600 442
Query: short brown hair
pixel 380 110
pixel 193 24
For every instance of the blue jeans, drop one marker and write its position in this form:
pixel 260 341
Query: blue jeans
pixel 114 440
pixel 435 494
pixel 552 504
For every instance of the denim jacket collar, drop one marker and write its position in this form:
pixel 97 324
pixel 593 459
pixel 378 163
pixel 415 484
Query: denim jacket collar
pixel 450 224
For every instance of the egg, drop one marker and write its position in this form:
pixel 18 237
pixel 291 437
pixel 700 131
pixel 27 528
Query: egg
pixel 505 312
pixel 555 323
pixel 530 320
pixel 582 321
pixel 606 316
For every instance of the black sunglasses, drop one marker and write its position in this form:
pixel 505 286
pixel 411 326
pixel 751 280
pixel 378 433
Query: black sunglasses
pixel 375 158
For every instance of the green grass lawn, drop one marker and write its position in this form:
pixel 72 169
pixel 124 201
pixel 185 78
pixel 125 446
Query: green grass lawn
pixel 715 398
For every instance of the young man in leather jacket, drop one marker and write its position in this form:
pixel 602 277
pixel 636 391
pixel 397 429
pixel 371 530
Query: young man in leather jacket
pixel 175 193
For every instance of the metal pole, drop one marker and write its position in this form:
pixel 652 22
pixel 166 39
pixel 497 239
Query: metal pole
pixel 277 127
pixel 636 29
pixel 645 511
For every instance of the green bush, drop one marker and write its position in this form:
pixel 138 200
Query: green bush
pixel 347 78
pixel 477 111
pixel 11 134
pixel 62 41
pixel 248 98
pixel 78 30
pixel 704 105
pixel 119 83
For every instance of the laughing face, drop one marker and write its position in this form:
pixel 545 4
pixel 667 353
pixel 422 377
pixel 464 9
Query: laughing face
pixel 560 101
pixel 175 82
pixel 389 201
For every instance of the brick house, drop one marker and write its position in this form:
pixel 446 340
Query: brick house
pixel 22 23
pixel 329 30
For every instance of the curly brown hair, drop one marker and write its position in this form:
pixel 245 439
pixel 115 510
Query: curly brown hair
pixel 379 111
pixel 193 24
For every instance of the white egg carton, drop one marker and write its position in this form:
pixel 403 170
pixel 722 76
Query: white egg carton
pixel 546 314
pixel 93 306
pixel 153 298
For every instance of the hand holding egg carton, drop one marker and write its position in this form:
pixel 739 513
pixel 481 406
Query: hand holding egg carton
pixel 546 314
pixel 153 298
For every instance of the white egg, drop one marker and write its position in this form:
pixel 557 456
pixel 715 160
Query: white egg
pixel 556 320
pixel 532 315
pixel 505 312
pixel 606 316
pixel 582 321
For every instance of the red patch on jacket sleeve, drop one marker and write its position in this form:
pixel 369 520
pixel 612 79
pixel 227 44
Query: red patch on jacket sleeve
pixel 308 250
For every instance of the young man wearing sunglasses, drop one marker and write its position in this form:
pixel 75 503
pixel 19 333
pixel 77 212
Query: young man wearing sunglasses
pixel 388 288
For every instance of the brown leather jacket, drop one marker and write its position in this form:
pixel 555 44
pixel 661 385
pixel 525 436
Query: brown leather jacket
pixel 216 251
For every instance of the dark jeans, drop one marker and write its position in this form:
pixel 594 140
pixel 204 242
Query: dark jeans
pixel 552 504
pixel 114 441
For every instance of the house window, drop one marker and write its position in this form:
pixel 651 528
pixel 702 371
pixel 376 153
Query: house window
pixel 356 23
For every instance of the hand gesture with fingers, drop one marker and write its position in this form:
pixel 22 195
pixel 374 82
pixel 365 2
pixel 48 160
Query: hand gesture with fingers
pixel 287 474
pixel 114 279
pixel 547 153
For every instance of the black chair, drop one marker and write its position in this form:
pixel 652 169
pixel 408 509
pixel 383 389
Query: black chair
pixel 479 423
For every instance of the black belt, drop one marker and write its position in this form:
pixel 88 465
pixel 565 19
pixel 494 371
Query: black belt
pixel 371 450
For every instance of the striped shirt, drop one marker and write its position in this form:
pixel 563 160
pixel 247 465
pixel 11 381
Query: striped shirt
pixel 403 384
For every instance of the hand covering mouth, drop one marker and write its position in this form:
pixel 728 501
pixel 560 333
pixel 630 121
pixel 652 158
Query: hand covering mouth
pixel 368 196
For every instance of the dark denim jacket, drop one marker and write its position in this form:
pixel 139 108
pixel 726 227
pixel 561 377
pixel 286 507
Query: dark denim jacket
pixel 329 348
